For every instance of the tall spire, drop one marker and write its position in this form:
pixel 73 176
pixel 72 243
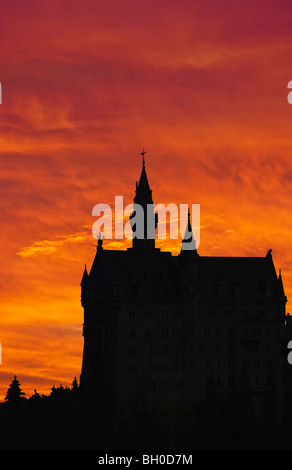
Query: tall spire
pixel 143 194
pixel 143 198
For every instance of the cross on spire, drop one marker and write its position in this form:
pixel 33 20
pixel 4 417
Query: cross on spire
pixel 143 154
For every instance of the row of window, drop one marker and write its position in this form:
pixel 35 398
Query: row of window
pixel 218 381
pixel 133 368
pixel 148 314
pixel 244 313
pixel 222 382
pixel 176 384
pixel 167 350
pixel 165 333
pixel 250 332
pixel 153 351
pixel 211 313
pixel 245 365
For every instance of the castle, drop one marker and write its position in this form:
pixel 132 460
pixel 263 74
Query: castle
pixel 159 328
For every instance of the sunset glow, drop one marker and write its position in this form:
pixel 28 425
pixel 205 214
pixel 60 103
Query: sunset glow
pixel 202 86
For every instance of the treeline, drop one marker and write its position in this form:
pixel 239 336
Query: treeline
pixel 71 418
pixel 66 418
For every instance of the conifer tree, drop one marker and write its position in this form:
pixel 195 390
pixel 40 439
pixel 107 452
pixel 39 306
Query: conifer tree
pixel 14 392
pixel 75 384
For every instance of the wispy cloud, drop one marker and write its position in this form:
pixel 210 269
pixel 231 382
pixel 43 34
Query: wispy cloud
pixel 47 247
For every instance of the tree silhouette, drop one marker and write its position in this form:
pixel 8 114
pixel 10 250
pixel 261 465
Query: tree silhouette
pixel 14 392
pixel 75 384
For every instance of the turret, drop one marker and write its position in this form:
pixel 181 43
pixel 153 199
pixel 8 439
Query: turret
pixel 188 245
pixel 83 284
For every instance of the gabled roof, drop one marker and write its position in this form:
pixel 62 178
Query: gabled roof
pixel 250 278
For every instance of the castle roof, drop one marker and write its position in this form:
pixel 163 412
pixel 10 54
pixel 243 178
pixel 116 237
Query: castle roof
pixel 157 276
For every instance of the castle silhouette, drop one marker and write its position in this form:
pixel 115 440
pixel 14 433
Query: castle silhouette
pixel 161 329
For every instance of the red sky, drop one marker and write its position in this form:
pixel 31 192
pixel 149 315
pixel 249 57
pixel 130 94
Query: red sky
pixel 202 86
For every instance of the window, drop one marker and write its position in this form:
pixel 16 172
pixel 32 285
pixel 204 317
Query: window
pixel 268 331
pixel 269 290
pixel 132 369
pixel 132 314
pixel 228 313
pixel 211 313
pixel 176 314
pixel 164 333
pixel 261 313
pixel 164 351
pixel 230 348
pixel 176 351
pixel 177 384
pixel 202 348
pixel 256 332
pixel 132 352
pixel 245 313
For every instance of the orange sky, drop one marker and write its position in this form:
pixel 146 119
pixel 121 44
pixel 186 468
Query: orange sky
pixel 202 86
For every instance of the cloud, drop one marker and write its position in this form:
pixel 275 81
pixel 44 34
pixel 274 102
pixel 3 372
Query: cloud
pixel 51 246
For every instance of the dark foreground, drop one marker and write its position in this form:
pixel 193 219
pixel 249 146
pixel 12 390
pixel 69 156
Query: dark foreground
pixel 68 419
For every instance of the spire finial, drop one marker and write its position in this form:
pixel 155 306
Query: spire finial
pixel 143 154
pixel 99 241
